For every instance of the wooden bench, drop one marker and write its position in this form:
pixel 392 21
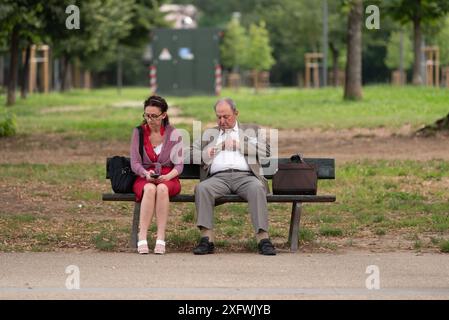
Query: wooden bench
pixel 326 170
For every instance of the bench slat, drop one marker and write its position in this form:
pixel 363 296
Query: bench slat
pixel 228 198
pixel 326 168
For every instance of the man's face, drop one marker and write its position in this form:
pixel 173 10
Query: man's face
pixel 226 117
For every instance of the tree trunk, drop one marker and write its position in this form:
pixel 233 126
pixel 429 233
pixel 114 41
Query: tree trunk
pixel 25 73
pixel 63 73
pixel 12 78
pixel 256 80
pixel 353 79
pixel 66 76
pixel 119 70
pixel 335 54
pixel 417 77
pixel 2 64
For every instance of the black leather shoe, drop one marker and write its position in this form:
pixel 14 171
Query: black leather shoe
pixel 204 247
pixel 266 248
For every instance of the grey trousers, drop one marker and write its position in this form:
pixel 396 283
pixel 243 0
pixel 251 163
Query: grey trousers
pixel 244 184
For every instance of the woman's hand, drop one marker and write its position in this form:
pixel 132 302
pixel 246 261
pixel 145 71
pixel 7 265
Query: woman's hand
pixel 148 176
pixel 164 177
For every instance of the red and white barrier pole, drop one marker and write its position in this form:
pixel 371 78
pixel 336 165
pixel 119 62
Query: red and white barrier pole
pixel 153 83
pixel 217 79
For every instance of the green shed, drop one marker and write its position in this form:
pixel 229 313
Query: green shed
pixel 185 60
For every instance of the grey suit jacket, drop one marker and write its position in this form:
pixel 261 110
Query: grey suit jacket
pixel 251 145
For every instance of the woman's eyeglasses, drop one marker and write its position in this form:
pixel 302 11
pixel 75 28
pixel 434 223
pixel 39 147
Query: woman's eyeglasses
pixel 152 116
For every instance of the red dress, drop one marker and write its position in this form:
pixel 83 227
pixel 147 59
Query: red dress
pixel 173 185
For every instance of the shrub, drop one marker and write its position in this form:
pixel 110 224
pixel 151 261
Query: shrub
pixel 7 123
pixel 444 246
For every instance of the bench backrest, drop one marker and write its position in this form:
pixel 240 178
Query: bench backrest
pixel 326 168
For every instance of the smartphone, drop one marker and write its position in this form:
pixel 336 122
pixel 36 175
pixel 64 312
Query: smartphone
pixel 154 175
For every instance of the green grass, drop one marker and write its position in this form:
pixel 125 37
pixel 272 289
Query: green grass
pixel 306 235
pixel 444 246
pixel 380 231
pixel 251 245
pixel 106 240
pixel 189 216
pixel 23 218
pixel 363 203
pixel 330 231
pixel 103 114
pixel 186 238
pixel 382 106
pixel 53 173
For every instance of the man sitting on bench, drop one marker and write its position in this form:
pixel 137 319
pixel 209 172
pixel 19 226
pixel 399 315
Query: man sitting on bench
pixel 230 165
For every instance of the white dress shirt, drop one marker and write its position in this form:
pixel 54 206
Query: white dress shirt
pixel 227 159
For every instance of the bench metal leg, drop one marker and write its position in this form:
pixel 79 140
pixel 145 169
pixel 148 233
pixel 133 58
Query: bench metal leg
pixel 135 226
pixel 294 226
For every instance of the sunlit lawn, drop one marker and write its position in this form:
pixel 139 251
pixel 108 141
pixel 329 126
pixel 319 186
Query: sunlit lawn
pixel 104 114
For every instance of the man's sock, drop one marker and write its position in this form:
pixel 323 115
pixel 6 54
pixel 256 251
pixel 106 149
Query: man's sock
pixel 207 233
pixel 261 235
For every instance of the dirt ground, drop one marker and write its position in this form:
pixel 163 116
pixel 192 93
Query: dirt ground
pixel 343 145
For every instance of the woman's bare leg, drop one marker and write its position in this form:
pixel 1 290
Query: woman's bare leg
pixel 162 208
pixel 146 209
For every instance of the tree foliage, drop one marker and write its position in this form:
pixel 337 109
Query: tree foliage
pixel 442 41
pixel 259 50
pixel 419 12
pixel 234 45
pixel 393 58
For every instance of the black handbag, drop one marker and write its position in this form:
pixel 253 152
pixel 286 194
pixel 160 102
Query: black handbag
pixel 295 177
pixel 119 170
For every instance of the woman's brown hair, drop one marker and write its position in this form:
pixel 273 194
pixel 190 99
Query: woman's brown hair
pixel 158 102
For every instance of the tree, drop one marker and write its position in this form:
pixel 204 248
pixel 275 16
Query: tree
pixel 109 29
pixel 145 15
pixel 441 40
pixel 103 23
pixel 259 56
pixel 16 18
pixel 233 46
pixel 337 36
pixel 353 79
pixel 393 58
pixel 418 12
pixel 218 13
pixel 296 28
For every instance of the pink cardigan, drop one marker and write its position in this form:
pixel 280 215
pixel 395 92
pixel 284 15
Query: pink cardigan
pixel 172 147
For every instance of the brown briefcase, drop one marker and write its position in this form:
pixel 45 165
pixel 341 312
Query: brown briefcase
pixel 295 177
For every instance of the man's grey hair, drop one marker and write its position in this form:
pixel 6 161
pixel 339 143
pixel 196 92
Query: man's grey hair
pixel 228 101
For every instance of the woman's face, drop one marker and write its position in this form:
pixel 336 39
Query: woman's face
pixel 153 115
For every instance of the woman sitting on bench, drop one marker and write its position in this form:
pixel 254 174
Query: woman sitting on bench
pixel 157 173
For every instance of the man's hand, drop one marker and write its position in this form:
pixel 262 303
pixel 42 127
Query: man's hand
pixel 212 152
pixel 231 144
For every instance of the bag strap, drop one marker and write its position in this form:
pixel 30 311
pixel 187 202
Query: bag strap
pixel 297 158
pixel 140 141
